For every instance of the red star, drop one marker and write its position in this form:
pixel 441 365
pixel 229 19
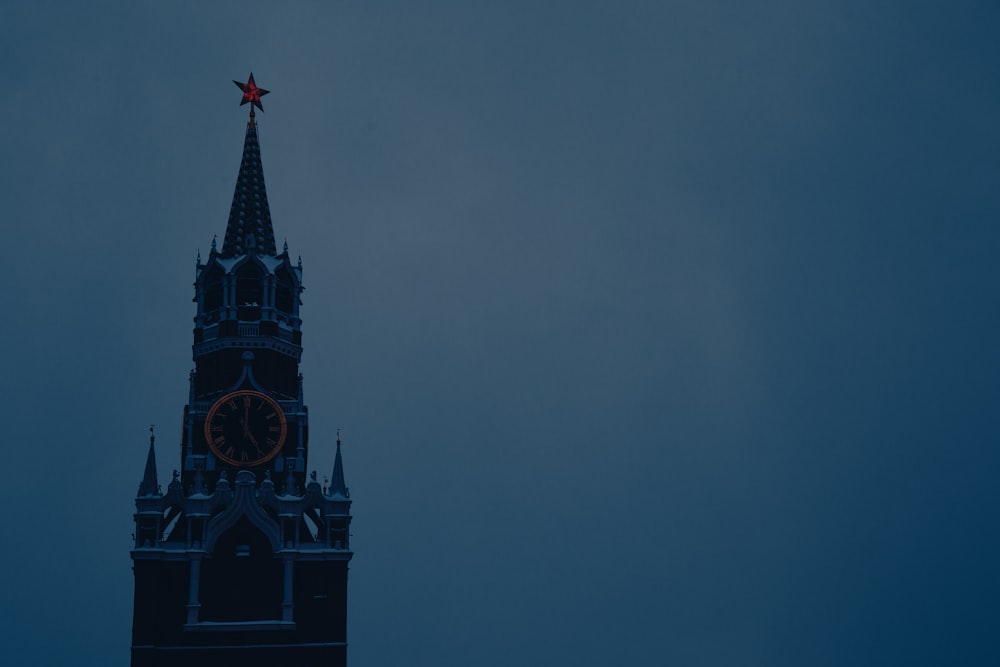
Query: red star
pixel 251 93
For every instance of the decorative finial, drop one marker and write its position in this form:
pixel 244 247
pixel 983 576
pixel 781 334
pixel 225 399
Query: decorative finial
pixel 214 236
pixel 152 436
pixel 177 475
pixel 286 246
pixel 251 94
pixel 312 475
pixel 338 436
pixel 300 261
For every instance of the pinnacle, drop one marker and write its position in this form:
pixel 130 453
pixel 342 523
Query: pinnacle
pixel 337 485
pixel 149 485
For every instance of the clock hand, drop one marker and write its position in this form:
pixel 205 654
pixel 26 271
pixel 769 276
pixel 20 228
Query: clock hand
pixel 253 441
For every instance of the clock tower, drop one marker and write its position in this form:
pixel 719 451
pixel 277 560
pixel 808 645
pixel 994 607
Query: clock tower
pixel 243 560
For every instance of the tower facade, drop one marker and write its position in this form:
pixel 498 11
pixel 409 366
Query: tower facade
pixel 243 561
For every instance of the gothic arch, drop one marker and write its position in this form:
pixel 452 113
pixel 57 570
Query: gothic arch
pixel 244 504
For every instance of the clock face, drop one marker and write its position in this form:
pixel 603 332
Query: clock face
pixel 245 428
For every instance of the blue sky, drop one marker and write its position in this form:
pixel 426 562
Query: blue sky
pixel 658 332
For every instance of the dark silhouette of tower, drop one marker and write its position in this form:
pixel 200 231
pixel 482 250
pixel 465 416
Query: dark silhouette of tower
pixel 243 561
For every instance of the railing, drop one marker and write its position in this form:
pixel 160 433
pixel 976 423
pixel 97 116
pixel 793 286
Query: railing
pixel 210 334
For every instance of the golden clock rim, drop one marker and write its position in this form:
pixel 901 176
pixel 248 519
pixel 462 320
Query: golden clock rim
pixel 233 394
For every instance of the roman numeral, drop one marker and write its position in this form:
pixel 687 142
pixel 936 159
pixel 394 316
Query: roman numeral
pixel 246 401
pixel 272 414
pixel 231 403
pixel 274 429
pixel 219 440
pixel 271 442
pixel 229 452
pixel 243 456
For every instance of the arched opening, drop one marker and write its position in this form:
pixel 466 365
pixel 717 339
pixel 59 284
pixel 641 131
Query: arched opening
pixel 212 294
pixel 249 291
pixel 242 581
pixel 284 293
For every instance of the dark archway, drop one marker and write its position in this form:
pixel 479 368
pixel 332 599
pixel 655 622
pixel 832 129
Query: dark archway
pixel 242 580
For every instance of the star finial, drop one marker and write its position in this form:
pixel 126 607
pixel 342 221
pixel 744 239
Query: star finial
pixel 251 93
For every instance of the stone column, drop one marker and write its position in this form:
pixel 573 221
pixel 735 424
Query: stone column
pixel 193 606
pixel 287 602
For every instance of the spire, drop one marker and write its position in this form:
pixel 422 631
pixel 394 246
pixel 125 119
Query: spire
pixel 337 485
pixel 149 485
pixel 250 216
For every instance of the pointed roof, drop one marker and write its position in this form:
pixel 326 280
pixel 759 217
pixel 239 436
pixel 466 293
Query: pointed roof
pixel 337 485
pixel 250 215
pixel 149 485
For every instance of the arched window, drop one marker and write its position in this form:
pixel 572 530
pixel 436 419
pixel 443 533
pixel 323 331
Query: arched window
pixel 284 292
pixel 249 291
pixel 212 293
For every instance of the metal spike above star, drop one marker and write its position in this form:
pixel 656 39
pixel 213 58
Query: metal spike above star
pixel 251 93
